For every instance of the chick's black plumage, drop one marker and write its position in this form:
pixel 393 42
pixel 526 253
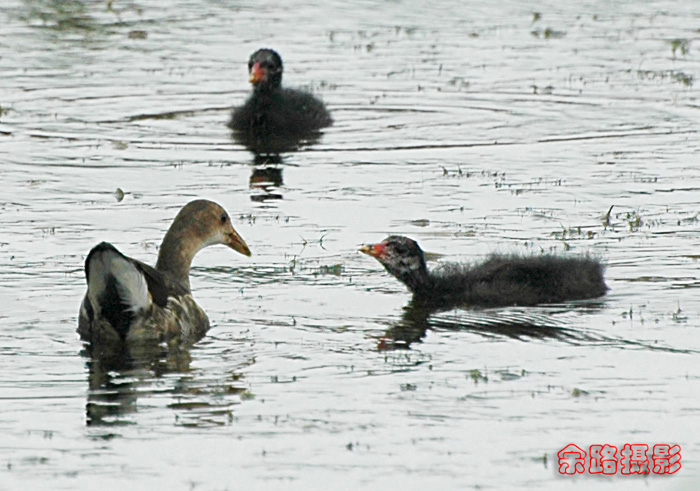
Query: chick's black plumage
pixel 501 280
pixel 273 112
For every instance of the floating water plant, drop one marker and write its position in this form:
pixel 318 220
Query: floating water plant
pixel 680 45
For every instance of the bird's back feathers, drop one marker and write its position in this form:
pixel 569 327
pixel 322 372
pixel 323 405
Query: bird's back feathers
pixel 121 288
pixel 518 280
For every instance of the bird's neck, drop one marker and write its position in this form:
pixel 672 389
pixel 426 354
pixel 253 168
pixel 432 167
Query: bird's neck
pixel 175 257
pixel 417 280
pixel 266 88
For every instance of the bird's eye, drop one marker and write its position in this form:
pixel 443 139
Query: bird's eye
pixel 224 219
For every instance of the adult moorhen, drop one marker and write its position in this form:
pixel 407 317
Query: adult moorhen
pixel 128 300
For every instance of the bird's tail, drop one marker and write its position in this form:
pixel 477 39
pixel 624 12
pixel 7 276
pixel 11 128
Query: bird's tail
pixel 117 288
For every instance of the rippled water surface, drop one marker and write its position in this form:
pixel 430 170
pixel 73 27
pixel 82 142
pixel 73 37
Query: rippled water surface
pixel 472 127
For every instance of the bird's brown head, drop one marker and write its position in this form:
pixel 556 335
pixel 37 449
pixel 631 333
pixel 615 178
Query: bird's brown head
pixel 202 223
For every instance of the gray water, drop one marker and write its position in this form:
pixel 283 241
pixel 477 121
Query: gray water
pixel 472 127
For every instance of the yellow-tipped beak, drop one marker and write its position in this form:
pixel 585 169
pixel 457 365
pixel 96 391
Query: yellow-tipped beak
pixel 257 74
pixel 374 250
pixel 237 243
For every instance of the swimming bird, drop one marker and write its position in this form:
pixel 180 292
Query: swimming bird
pixel 501 280
pixel 128 300
pixel 275 116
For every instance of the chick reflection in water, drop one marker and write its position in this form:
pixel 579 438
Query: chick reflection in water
pixel 273 121
pixel 500 281
pixel 136 316
pixel 266 177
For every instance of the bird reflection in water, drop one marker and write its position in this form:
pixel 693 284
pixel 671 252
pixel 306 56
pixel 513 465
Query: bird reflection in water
pixel 275 120
pixel 138 321
pixel 121 377
pixel 266 177
pixel 119 372
pixel 265 144
pixel 268 150
pixel 516 323
pixel 504 281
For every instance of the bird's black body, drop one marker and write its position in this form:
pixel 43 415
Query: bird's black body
pixel 515 280
pixel 274 118
pixel 501 280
